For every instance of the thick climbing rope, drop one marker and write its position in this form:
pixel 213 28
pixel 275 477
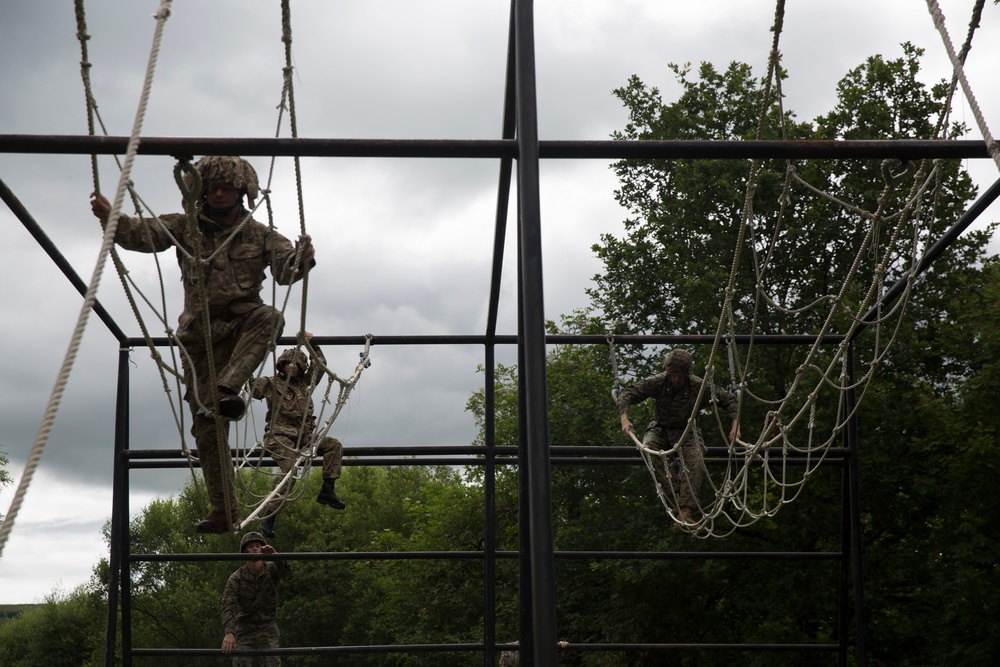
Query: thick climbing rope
pixel 128 285
pixel 38 447
pixel 991 145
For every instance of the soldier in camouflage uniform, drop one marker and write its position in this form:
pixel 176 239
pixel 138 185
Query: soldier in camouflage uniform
pixel 226 296
pixel 250 605
pixel 674 393
pixel 290 423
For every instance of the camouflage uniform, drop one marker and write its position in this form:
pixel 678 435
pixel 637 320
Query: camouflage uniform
pixel 510 658
pixel 243 329
pixel 671 411
pixel 249 611
pixel 289 406
pixel 513 658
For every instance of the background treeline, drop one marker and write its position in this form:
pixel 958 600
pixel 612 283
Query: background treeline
pixel 928 427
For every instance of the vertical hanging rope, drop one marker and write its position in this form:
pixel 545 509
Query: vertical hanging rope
pixel 37 448
pixel 991 145
pixel 286 38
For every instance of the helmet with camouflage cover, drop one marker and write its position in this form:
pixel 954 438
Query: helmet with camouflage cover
pixel 291 356
pixel 231 170
pixel 251 537
pixel 678 361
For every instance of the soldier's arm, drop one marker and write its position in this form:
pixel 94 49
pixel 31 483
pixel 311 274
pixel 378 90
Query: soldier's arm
pixel 230 605
pixel 259 387
pixel 138 234
pixel 289 266
pixel 628 397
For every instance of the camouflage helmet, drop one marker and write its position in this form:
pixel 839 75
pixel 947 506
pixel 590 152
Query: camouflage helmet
pixel 251 537
pixel 678 361
pixel 291 356
pixel 231 170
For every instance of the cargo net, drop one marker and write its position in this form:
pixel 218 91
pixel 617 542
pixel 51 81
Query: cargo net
pixel 263 499
pixel 168 363
pixel 770 468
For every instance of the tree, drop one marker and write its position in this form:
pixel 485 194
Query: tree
pixel 65 631
pixel 669 271
pixel 613 507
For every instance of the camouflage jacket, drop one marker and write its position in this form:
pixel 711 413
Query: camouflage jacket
pixel 234 278
pixel 673 407
pixel 252 598
pixel 288 402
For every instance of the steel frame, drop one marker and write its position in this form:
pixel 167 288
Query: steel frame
pixel 519 141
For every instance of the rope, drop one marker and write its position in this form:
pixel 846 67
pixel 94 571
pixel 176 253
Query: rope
pixel 37 448
pixel 758 472
pixel 991 145
pixel 305 454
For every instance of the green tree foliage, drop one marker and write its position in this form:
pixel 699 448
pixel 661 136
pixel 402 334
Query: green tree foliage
pixel 924 422
pixel 609 507
pixel 928 441
pixel 65 631
pixel 324 603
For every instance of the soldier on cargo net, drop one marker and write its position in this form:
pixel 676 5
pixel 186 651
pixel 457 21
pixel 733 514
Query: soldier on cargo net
pixel 673 439
pixel 226 329
pixel 290 429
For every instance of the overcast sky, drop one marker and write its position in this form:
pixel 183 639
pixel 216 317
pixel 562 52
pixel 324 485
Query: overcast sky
pixel 403 246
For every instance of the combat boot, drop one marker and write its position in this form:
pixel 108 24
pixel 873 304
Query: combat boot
pixel 215 522
pixel 267 526
pixel 328 497
pixel 684 517
pixel 231 406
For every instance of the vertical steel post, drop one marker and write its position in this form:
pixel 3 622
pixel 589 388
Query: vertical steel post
pixel 854 474
pixel 489 511
pixel 532 342
pixel 118 557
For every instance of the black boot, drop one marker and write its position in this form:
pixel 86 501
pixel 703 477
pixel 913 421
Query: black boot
pixel 267 526
pixel 328 497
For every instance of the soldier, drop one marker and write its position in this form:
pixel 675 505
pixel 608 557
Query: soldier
pixel 225 293
pixel 250 604
pixel 675 392
pixel 290 423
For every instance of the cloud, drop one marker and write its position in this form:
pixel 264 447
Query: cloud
pixel 405 245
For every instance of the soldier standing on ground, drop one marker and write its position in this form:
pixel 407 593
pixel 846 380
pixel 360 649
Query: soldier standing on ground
pixel 290 425
pixel 225 294
pixel 250 605
pixel 675 393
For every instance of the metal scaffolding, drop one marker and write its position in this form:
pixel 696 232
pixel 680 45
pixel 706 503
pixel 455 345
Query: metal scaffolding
pixel 536 556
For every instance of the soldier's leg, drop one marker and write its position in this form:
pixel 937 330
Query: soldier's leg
pixel 654 439
pixel 215 457
pixel 332 451
pixel 212 442
pixel 692 470
pixel 253 339
pixel 269 639
pixel 283 452
pixel 246 640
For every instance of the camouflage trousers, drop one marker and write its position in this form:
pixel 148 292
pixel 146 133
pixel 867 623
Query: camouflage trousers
pixel 256 636
pixel 240 344
pixel 284 453
pixel 686 470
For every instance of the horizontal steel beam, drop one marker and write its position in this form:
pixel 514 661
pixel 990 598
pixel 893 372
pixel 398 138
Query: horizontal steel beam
pixel 902 149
